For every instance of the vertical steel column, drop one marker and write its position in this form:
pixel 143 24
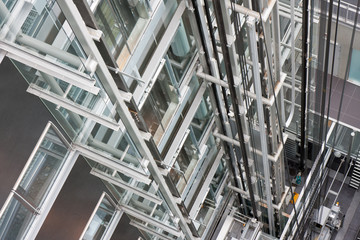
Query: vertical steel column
pixel 260 112
pixel 230 78
pixel 305 17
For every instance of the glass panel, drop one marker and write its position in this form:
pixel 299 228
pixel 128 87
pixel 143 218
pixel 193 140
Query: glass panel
pixel 15 220
pixel 184 164
pixel 6 6
pixel 354 74
pixel 122 22
pixel 43 169
pixel 185 105
pixel 182 49
pixel 202 117
pixel 160 105
pixel 161 213
pixel 100 221
pixel 34 184
pixel 108 24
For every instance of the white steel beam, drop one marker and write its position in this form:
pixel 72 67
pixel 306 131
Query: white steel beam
pixel 118 182
pixel 77 24
pixel 111 163
pixel 205 185
pixel 71 106
pixel 158 54
pixel 157 223
pixel 260 113
pixel 169 159
pixel 150 230
pixel 40 63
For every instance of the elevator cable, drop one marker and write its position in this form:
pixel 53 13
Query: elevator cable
pixel 345 80
pixel 330 88
pixel 323 94
pixel 305 23
pixel 347 68
pixel 332 67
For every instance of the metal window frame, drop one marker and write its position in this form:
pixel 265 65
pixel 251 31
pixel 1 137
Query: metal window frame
pixel 149 230
pixel 160 51
pixel 168 160
pixel 33 228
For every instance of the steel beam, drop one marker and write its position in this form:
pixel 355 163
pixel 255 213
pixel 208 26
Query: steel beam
pixel 38 62
pixel 118 182
pixel 77 24
pixel 260 113
pixel 148 219
pixel 71 106
pixel 95 156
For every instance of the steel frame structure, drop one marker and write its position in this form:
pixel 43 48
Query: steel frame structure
pixel 186 126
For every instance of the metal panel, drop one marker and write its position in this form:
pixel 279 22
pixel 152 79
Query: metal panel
pixel 260 113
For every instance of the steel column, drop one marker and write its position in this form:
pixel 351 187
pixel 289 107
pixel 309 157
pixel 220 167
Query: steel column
pixel 260 112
